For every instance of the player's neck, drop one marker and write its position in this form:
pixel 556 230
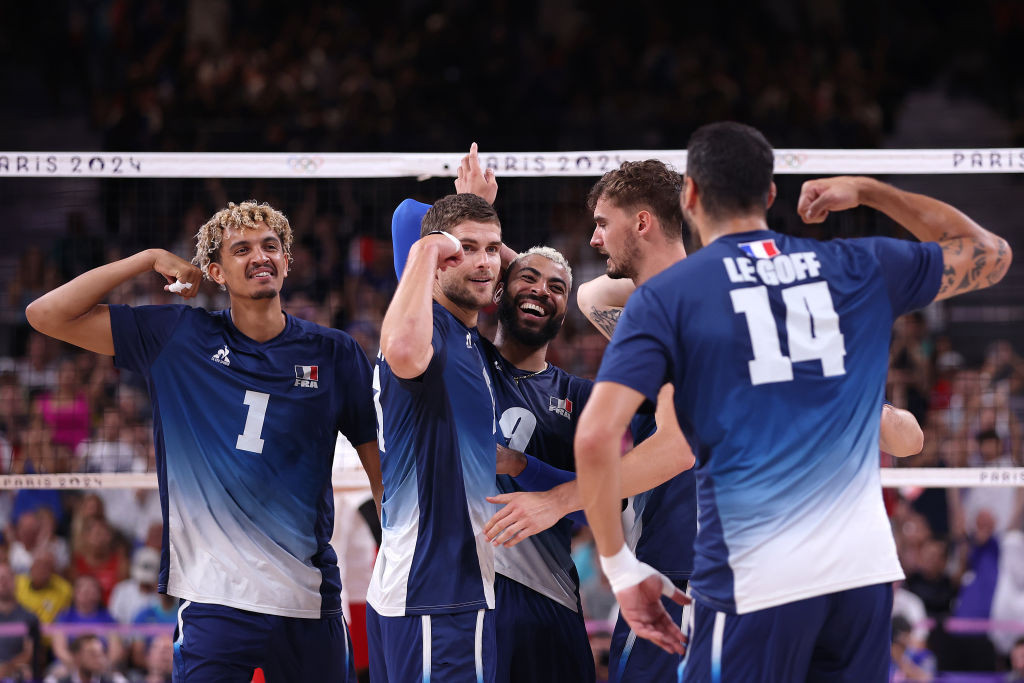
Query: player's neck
pixel 659 259
pixel 712 230
pixel 466 316
pixel 523 356
pixel 259 319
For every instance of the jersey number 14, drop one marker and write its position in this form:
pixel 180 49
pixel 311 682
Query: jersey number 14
pixel 812 330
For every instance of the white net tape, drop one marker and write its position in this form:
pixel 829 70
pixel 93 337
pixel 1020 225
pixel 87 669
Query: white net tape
pixel 353 478
pixel 506 164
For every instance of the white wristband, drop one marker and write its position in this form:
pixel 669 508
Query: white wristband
pixel 453 238
pixel 624 571
pixel 179 286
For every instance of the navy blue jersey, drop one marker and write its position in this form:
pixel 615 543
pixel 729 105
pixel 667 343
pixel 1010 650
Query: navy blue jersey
pixel 661 524
pixel 244 434
pixel 538 414
pixel 778 350
pixel 436 435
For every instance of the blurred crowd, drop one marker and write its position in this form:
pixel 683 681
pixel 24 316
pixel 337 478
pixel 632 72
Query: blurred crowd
pixel 72 553
pixel 311 75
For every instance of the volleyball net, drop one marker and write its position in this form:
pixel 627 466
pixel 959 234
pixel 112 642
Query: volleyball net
pixel 67 211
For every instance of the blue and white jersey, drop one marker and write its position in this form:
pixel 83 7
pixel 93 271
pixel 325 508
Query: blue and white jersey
pixel 437 438
pixel 660 525
pixel 538 415
pixel 244 435
pixel 778 350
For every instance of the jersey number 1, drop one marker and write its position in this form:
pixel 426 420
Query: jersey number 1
pixel 249 439
pixel 812 329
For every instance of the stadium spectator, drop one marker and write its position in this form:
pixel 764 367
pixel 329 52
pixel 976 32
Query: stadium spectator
pixel 100 554
pixel 1004 504
pixel 910 661
pixel 110 449
pixel 90 663
pixel 66 408
pixel 86 610
pixel 930 581
pixel 164 610
pixel 1008 599
pixel 159 662
pixel 43 592
pixel 138 591
pixel 37 370
pixel 34 533
pixel 907 605
pixel 1016 673
pixel 16 651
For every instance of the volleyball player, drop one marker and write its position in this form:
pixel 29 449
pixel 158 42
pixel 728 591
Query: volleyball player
pixel 777 348
pixel 639 228
pixel 540 632
pixel 431 597
pixel 247 403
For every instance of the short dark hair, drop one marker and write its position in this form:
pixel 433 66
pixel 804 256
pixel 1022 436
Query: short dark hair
pixel 989 434
pixel 77 643
pixel 731 164
pixel 447 212
pixel 649 184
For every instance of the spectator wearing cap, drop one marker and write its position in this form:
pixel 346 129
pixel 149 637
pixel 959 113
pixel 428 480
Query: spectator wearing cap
pixel 138 591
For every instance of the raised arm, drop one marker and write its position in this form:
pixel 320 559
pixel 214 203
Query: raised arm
pixel 405 335
pixel 73 312
pixel 900 434
pixel 602 299
pixel 973 258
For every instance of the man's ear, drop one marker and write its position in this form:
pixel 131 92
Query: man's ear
pixel 688 198
pixel 772 194
pixel 216 273
pixel 644 221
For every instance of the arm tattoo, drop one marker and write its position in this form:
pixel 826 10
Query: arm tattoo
pixel 965 274
pixel 605 319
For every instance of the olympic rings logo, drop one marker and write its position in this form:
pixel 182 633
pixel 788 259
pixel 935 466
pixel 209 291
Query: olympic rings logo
pixel 792 160
pixel 305 165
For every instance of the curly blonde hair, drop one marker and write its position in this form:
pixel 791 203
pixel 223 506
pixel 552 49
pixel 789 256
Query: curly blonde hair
pixel 241 217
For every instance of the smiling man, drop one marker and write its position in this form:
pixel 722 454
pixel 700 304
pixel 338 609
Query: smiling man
pixel 247 403
pixel 431 598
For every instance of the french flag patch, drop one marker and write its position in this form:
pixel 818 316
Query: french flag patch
pixel 561 406
pixel 306 372
pixel 760 249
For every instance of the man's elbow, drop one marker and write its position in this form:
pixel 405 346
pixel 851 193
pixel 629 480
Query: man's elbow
pixel 913 443
pixel 591 445
pixel 405 359
pixel 1002 256
pixel 39 316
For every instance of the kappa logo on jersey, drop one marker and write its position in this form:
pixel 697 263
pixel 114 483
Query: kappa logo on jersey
pixel 222 356
pixel 562 406
pixel 306 376
pixel 760 249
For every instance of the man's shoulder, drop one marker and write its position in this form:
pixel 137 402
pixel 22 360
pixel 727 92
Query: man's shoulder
pixel 20 613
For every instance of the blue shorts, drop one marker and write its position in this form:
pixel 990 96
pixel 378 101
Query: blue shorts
pixel 632 659
pixel 539 640
pixel 218 643
pixel 841 636
pixel 441 647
